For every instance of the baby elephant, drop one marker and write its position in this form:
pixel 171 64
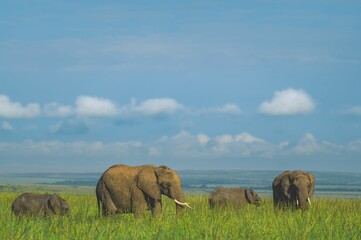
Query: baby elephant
pixel 233 197
pixel 32 204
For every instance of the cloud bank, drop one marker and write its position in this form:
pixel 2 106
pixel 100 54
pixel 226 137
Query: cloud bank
pixel 183 145
pixel 92 106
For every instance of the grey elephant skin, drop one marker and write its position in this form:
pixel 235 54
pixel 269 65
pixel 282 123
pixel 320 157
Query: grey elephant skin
pixel 134 189
pixel 293 190
pixel 233 197
pixel 32 204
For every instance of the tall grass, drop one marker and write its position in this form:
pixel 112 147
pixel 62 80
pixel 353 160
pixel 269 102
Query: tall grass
pixel 326 219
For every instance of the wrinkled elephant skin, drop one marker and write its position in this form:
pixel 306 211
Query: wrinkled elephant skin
pixel 293 189
pixel 128 189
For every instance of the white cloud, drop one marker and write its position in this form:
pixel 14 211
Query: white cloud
pixel 9 109
pixel 95 107
pixel 156 106
pixel 240 145
pixel 288 102
pixel 58 110
pixel 183 144
pixel 224 139
pixel 187 145
pixel 229 108
pixel 308 144
pixel 6 126
pixel 239 138
pixel 247 138
pixel 203 139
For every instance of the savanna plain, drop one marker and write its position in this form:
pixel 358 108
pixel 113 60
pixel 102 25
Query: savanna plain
pixel 327 218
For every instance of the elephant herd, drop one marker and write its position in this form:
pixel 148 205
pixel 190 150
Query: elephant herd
pixel 135 189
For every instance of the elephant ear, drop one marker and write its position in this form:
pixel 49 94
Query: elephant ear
pixel 312 183
pixel 147 182
pixel 163 173
pixel 285 185
pixel 250 196
pixel 277 181
pixel 54 203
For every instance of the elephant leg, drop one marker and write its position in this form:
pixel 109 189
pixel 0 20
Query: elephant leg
pixel 139 209
pixel 108 207
pixel 276 200
pixel 156 207
pixel 280 203
pixel 139 203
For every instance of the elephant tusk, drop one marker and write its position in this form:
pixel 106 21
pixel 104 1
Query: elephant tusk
pixel 188 206
pixel 297 203
pixel 182 204
pixel 309 200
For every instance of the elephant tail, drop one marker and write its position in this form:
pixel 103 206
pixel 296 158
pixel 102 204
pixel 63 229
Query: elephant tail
pixel 12 208
pixel 105 199
pixel 99 194
pixel 98 203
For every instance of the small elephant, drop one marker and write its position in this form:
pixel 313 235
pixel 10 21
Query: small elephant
pixel 293 189
pixel 234 197
pixel 32 204
pixel 134 189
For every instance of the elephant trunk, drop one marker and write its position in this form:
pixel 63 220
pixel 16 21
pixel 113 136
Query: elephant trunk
pixel 303 200
pixel 180 202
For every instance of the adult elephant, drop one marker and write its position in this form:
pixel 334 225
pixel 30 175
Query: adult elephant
pixel 293 189
pixel 134 189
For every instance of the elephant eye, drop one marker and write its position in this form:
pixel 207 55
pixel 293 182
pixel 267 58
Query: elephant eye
pixel 166 184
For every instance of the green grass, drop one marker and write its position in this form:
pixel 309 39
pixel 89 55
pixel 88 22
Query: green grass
pixel 328 218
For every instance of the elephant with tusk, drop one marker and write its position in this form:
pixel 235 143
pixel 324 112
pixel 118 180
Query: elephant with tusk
pixel 134 189
pixel 293 189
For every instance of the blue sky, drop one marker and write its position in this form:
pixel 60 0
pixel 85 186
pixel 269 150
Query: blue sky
pixel 190 84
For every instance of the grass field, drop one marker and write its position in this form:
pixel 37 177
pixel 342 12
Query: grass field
pixel 328 218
